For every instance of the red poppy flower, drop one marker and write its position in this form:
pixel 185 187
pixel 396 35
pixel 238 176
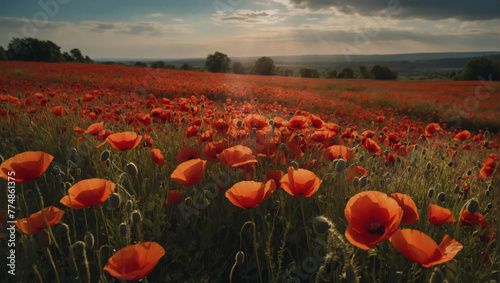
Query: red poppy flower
pixel 336 151
pixel 275 175
pixel 36 222
pixel 300 182
pixel 463 135
pixel 432 129
pixel 157 157
pixel 135 261
pixel 248 194
pixel 147 141
pixel 188 153
pixel 299 123
pixel 372 146
pixel 356 171
pixel 259 122
pixel 174 197
pixel 489 166
pixel 192 131
pixel 87 193
pixel 94 129
pixel 410 213
pixel 212 149
pixel 123 141
pixel 237 156
pixel 58 111
pixel 439 215
pixel 420 248
pixel 373 217
pixel 27 166
pixel 190 172
pixel 471 219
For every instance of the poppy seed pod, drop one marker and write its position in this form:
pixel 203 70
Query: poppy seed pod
pixel 89 240
pixel 295 165
pixel 473 206
pixel 457 189
pixel 340 166
pixel 114 200
pixel 486 144
pixel 129 205
pixel 361 158
pixel 136 217
pixel 105 155
pixel 282 147
pixel 188 201
pixel 355 181
pixel 430 192
pixel 73 152
pixel 469 172
pixel 442 196
pixel 424 151
pixel 321 225
pixel 363 181
pixel 239 258
pixel 123 229
pixel 239 124
pixel 131 169
pixel 386 152
pixel 428 166
pixel 490 205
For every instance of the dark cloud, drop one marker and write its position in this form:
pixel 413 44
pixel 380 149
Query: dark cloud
pixel 463 10
pixel 133 28
pixel 247 17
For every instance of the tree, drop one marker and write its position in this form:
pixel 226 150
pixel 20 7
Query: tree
pixel 309 73
pixel 3 55
pixel 67 57
pixel 364 73
pixel 158 65
pixel 383 73
pixel 77 55
pixel 331 74
pixel 346 73
pixel 88 60
pixel 32 49
pixel 265 66
pixel 481 68
pixel 217 62
pixel 238 68
pixel 187 67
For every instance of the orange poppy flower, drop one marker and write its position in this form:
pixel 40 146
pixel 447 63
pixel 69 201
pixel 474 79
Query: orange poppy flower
pixel 489 166
pixel 212 149
pixel 259 122
pixel 356 171
pixel 432 129
pixel 123 141
pixel 373 217
pixel 372 146
pixel 27 166
pixel 300 182
pixel 336 151
pixel 192 131
pixel 35 222
pixel 463 135
pixel 237 156
pixel 248 194
pixel 410 213
pixel 94 129
pixel 87 193
pixel 157 157
pixel 439 215
pixel 174 197
pixel 418 247
pixel 299 123
pixel 275 175
pixel 471 219
pixel 58 111
pixel 188 153
pixel 190 172
pixel 135 261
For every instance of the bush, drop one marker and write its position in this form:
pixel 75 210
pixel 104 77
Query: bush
pixel 265 66
pixel 481 68
pixel 383 73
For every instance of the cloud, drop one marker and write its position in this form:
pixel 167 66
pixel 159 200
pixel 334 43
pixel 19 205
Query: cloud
pixel 147 28
pixel 407 9
pixel 178 20
pixel 245 17
pixel 155 15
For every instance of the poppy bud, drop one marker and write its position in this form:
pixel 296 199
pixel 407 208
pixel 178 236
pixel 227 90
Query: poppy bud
pixel 457 189
pixel 120 111
pixel 290 113
pixel 430 192
pixel 428 166
pixel 489 206
pixel 282 147
pixel 56 171
pixel 363 181
pixel 114 200
pixel 321 225
pixel 295 165
pixel 239 258
pixel 188 201
pixel 67 185
pixel 202 106
pixel 361 158
pixel 131 169
pixel 62 230
pixel 469 172
pixel 487 134
pixel 136 217
pixel 105 155
pixel 355 181
pixel 398 159
pixel 271 122
pixel 486 144
pixel 424 151
pixel 129 206
pixel 239 124
pixel 276 204
pixel 340 166
pixel 73 152
pixel 442 196
pixel 89 240
pixel 123 229
pixel 386 152
pixel 437 276
pixel 473 206
pixel 450 164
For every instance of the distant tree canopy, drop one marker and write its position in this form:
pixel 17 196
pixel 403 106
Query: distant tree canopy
pixel 331 74
pixel 364 73
pixel 217 62
pixel 238 68
pixel 3 55
pixel 383 73
pixel 309 73
pixel 265 66
pixel 32 49
pixel 346 73
pixel 481 68
pixel 284 72
pixel 158 65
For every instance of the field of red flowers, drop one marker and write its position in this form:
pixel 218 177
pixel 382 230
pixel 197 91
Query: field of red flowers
pixel 112 172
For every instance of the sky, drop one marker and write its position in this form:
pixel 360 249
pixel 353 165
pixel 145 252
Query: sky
pixel 238 28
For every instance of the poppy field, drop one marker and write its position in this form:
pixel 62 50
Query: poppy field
pixel 116 173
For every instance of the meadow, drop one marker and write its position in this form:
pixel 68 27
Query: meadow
pixel 121 173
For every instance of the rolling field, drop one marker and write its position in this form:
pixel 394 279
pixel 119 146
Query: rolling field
pixel 113 172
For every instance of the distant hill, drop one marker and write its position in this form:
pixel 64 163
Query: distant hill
pixel 413 64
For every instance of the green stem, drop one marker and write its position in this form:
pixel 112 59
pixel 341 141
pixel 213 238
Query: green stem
pixel 255 245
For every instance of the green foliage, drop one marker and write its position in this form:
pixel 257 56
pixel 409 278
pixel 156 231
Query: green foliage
pixel 238 68
pixel 158 65
pixel 481 68
pixel 32 49
pixel 383 73
pixel 217 62
pixel 364 73
pixel 309 73
pixel 331 74
pixel 265 66
pixel 346 73
pixel 3 54
pixel 140 64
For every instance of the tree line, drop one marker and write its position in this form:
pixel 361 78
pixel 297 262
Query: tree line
pixel 32 49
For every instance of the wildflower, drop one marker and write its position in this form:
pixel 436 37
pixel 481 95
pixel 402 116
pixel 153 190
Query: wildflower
pixel 87 193
pixel 27 166
pixel 439 215
pixel 36 222
pixel 248 194
pixel 300 182
pixel 190 172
